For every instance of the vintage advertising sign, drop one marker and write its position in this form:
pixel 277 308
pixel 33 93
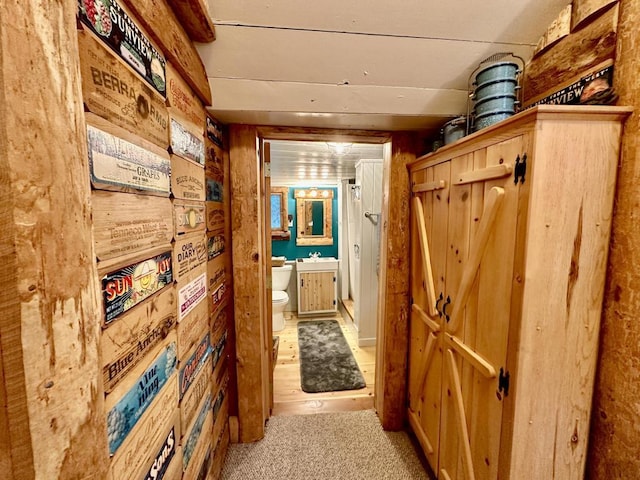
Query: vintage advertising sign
pixel 118 164
pixel 187 180
pixel 190 295
pixel 134 457
pixel 214 190
pixel 116 29
pixel 219 324
pixel 129 340
pixel 164 456
pixel 192 328
pixel 200 387
pixel 213 160
pixel 203 474
pixel 214 131
pixel 189 252
pixel 186 142
pixel 191 437
pixel 125 414
pixel 125 224
pixel 215 244
pixel 174 472
pixel 112 91
pixel 181 98
pixel 218 296
pixel 126 287
pixel 216 272
pixel 218 350
pixel 215 216
pixel 191 366
pixel 188 216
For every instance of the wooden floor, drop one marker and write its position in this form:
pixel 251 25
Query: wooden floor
pixel 288 397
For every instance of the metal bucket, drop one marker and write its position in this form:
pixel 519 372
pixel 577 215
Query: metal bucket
pixel 500 86
pixel 489 118
pixel 493 103
pixel 500 70
pixel 454 130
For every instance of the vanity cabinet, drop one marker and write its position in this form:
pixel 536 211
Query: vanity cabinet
pixel 509 239
pixel 317 288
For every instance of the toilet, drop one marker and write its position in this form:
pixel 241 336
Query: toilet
pixel 280 281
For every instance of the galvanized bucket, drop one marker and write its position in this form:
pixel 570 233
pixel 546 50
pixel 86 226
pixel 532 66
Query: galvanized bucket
pixel 500 70
pixel 454 130
pixel 499 86
pixel 494 103
pixel 489 118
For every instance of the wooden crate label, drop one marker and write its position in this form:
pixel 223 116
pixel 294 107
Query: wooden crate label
pixel 220 453
pixel 581 89
pixel 126 287
pixel 192 328
pixel 203 474
pixel 217 404
pixel 215 245
pixel 199 388
pixel 191 295
pixel 214 131
pixel 115 93
pixel 135 454
pixel 214 161
pixel 185 142
pixel 214 190
pixel 218 295
pixel 189 252
pixel 163 458
pixel 193 365
pixel 181 97
pixel 187 179
pixel 116 369
pixel 219 323
pixel 115 162
pixel 124 223
pixel 215 216
pixel 190 438
pixel 189 217
pixel 126 413
pixel 220 417
pixel 116 29
pixel 216 272
pixel 218 350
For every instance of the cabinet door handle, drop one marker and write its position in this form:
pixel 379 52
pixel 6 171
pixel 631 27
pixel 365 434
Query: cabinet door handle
pixel 444 308
pixel 302 282
pixel 440 298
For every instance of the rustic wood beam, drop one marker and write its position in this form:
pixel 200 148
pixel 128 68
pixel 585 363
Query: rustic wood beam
pixel 194 17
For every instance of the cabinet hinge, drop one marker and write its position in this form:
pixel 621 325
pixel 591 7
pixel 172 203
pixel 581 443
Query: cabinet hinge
pixel 267 169
pixel 520 169
pixel 503 383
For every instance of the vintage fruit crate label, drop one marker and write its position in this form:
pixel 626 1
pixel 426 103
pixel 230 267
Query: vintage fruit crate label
pixel 125 414
pixel 186 142
pixel 214 131
pixel 191 294
pixel 128 341
pixel 163 457
pixel 192 328
pixel 218 296
pixel 203 474
pixel 181 98
pixel 199 429
pixel 115 27
pixel 187 180
pixel 216 272
pixel 125 224
pixel 192 365
pixel 215 216
pixel 214 190
pixel 117 164
pixel 219 323
pixel 135 455
pixel 189 216
pixel 215 244
pixel 113 92
pixel 189 252
pixel 213 161
pixel 220 413
pixel 218 350
pixel 124 288
pixel 200 387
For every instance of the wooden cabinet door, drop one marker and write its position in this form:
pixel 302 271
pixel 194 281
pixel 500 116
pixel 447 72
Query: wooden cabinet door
pixel 482 234
pixel 317 291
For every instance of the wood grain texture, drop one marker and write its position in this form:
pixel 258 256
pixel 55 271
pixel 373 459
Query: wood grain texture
pixel 165 29
pixel 194 17
pixel 180 97
pixel 559 28
pixel 51 419
pixel 584 10
pixel 572 56
pixel 614 433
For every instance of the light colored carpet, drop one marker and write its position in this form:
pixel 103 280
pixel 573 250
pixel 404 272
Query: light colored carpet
pixel 347 445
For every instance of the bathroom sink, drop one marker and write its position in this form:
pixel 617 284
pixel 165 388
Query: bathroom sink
pixel 316 263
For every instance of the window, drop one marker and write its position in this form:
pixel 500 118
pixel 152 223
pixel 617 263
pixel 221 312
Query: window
pixel 279 213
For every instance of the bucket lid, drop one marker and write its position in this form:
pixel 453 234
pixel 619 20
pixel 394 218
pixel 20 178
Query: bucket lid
pixel 498 64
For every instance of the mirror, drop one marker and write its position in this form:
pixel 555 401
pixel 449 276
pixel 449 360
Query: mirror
pixel 279 214
pixel 314 217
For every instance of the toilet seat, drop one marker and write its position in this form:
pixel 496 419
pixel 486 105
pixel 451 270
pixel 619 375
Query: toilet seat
pixel 279 296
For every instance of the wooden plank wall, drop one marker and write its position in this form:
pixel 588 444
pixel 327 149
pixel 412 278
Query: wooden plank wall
pixel 51 422
pixel 613 451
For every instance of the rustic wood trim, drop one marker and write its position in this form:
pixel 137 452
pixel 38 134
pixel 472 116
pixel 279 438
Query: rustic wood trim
pixel 194 17
pixel 429 186
pixel 483 174
pixel 322 134
pixel 165 29
pixel 431 324
pixel 420 434
pixel 425 256
pixel 478 361
pixel 51 415
pixel 247 253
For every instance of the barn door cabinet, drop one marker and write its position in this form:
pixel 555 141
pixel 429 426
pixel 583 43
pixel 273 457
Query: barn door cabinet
pixel 509 238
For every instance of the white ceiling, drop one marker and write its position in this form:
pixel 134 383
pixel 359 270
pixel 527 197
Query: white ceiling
pixel 360 64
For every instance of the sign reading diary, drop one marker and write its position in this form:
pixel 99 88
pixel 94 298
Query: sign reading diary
pixel 128 286
pixel 116 28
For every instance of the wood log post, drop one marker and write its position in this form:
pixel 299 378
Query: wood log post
pixel 393 290
pixel 52 423
pixel 614 432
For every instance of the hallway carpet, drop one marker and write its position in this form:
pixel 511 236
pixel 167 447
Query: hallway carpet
pixel 325 446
